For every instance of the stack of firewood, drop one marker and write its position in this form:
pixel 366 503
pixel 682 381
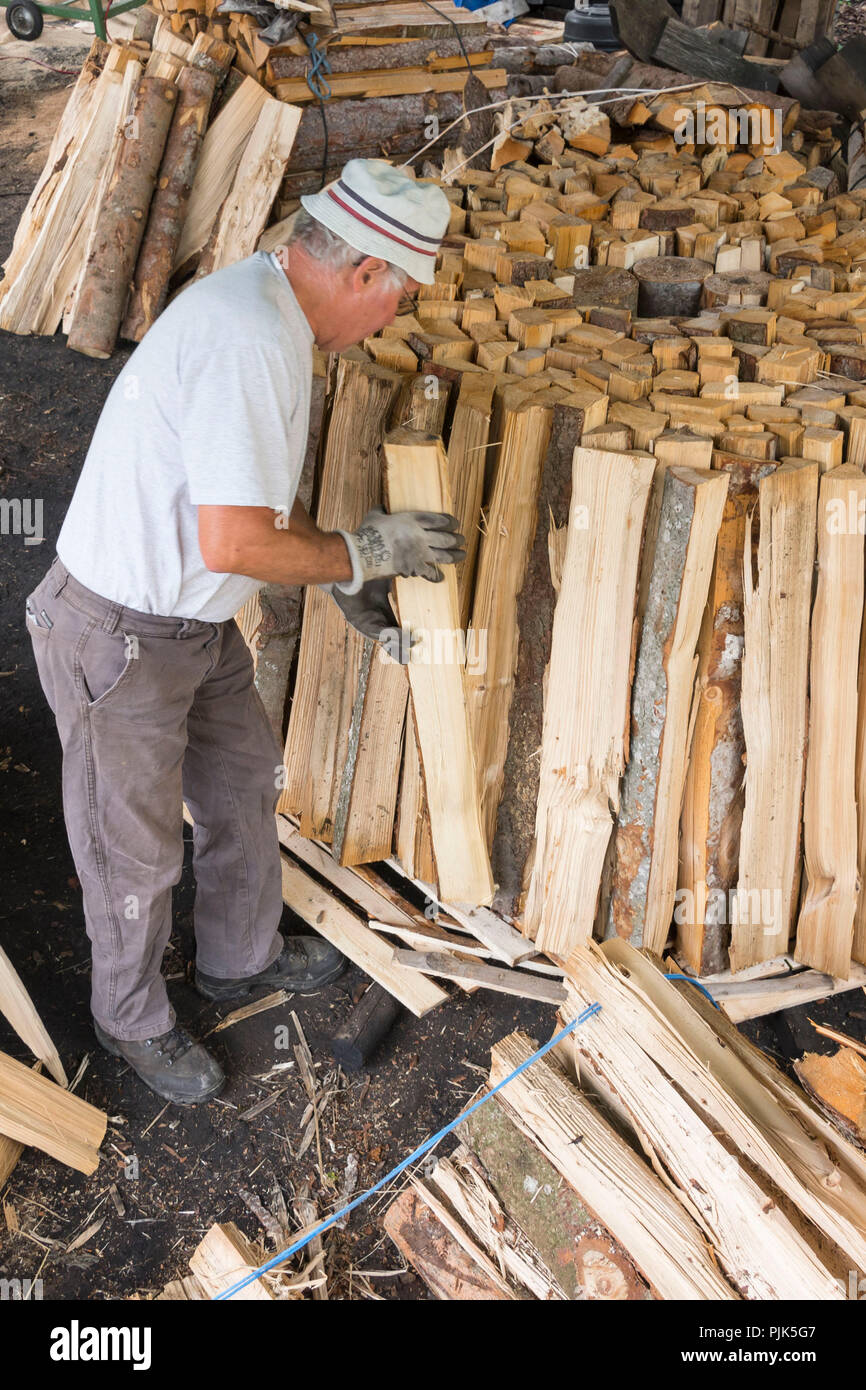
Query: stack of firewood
pixel 645 356
pixel 159 169
pixel 655 1154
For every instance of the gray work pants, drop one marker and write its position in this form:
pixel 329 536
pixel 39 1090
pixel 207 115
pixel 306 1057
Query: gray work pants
pixel 151 710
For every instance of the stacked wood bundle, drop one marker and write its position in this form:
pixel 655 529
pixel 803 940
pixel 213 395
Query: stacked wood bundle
pixel 149 179
pixel 702 1172
pixel 762 28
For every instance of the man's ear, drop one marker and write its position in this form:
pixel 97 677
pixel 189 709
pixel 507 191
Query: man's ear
pixel 369 272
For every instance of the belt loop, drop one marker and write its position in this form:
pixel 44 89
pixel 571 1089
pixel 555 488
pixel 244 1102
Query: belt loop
pixel 183 627
pixel 112 617
pixel 59 575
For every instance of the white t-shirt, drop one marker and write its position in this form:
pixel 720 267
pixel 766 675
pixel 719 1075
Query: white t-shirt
pixel 213 407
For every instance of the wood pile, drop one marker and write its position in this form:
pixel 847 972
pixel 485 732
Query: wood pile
pixel 644 357
pixel 702 1172
pixel 764 28
pixel 160 169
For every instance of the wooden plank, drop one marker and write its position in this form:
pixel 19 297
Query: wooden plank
pixel 448 967
pixel 36 1112
pixel 644 878
pixel 416 474
pixel 583 751
pixel 773 702
pixel 503 941
pixel 389 84
pixel 618 1187
pixel 825 929
pixel 354 938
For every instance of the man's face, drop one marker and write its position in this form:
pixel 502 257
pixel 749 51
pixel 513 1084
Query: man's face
pixel 365 299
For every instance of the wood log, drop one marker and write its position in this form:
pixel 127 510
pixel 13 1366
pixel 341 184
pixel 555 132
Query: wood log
pixel 502 559
pixel 356 1040
pixel 223 1257
pixel 713 798
pixel 589 1263
pixel 618 1188
pixel 467 449
pixel 773 706
pixel 825 929
pixel 670 286
pixel 643 885
pixel 169 203
pixel 120 222
pixel 583 751
pixel 417 478
pixel 605 285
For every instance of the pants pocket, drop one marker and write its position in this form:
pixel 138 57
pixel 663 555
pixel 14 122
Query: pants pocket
pixel 106 663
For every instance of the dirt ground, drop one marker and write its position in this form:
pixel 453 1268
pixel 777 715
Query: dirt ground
pixel 167 1173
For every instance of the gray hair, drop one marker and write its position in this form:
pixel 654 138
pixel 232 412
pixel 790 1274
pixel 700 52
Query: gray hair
pixel 322 244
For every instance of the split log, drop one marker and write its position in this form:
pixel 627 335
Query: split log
pixel 330 651
pixel 169 204
pixel 243 215
pixel 773 706
pixel 643 886
pixel 225 1256
pixel 502 560
pixel 120 222
pixel 619 1189
pixel 838 1085
pixel 446 1268
pixel 19 1010
pixel 825 930
pixel 714 796
pixel 588 1262
pixel 584 741
pixel 416 474
pixel 467 449
pixel 681 1112
pixel 515 827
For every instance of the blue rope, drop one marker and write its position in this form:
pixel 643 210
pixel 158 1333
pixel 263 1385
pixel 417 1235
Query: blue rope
pixel 317 80
pixel 697 984
pixel 401 1167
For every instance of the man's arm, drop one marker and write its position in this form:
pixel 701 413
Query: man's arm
pixel 255 541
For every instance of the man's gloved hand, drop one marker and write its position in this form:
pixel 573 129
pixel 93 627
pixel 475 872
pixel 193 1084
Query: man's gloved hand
pixel 370 613
pixel 404 543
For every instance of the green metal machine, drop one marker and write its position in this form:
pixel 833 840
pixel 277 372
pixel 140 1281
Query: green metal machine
pixel 25 17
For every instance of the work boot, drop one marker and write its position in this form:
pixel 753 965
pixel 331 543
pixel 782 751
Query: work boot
pixel 305 964
pixel 172 1065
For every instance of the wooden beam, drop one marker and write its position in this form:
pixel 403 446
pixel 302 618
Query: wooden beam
pixel 447 966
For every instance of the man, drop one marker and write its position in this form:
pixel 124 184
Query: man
pixel 184 508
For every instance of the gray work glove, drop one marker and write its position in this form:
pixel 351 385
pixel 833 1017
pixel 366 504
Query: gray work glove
pixel 370 613
pixel 404 543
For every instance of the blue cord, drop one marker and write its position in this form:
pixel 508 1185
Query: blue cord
pixel 317 80
pixel 401 1167
pixel 697 984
